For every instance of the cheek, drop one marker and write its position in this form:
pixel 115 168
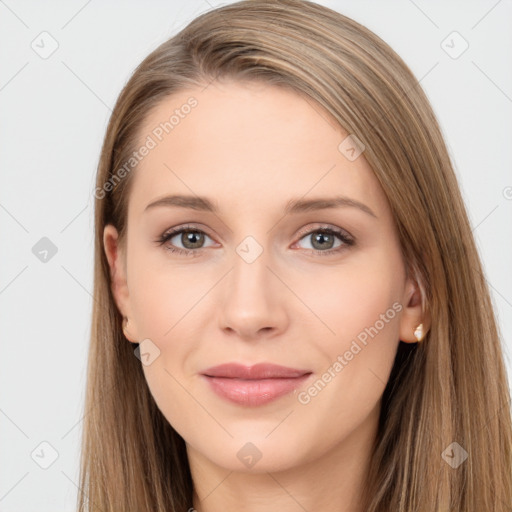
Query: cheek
pixel 164 296
pixel 352 298
pixel 360 312
pixel 168 305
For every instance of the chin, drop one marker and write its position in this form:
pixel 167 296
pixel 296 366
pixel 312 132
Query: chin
pixel 253 454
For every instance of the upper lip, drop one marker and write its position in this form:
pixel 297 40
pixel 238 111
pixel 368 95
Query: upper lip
pixel 257 371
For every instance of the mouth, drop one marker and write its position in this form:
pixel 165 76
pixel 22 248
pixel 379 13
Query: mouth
pixel 254 385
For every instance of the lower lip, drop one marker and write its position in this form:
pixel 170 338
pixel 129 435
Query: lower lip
pixel 254 392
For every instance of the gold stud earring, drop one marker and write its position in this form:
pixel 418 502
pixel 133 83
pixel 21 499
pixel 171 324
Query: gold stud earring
pixel 418 332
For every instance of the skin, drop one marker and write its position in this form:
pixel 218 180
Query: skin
pixel 251 148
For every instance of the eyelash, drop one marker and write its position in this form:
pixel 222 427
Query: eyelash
pixel 341 235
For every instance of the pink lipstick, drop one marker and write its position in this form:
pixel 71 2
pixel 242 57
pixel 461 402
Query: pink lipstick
pixel 254 385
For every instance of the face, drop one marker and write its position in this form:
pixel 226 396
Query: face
pixel 283 251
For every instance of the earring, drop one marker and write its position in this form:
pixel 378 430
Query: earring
pixel 125 323
pixel 418 332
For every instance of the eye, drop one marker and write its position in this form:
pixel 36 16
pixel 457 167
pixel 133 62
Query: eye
pixel 323 240
pixel 190 237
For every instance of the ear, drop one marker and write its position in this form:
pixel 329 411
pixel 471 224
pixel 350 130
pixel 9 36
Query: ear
pixel 414 312
pixel 117 262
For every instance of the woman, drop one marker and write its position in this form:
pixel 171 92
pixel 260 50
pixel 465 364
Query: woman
pixel 230 367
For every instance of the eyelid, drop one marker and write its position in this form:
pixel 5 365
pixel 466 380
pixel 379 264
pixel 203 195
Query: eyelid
pixel 319 226
pixel 302 232
pixel 344 236
pixel 172 232
pixel 187 227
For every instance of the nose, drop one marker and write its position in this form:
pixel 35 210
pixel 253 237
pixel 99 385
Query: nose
pixel 254 300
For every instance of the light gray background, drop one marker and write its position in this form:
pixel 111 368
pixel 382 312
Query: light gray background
pixel 54 114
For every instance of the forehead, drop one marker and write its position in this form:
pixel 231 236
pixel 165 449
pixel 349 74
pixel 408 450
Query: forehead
pixel 247 144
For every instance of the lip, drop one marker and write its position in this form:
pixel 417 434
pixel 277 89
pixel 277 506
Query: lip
pixel 254 385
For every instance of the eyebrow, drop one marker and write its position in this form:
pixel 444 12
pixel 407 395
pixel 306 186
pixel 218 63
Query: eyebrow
pixel 292 206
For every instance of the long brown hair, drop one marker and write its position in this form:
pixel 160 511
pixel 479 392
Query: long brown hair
pixel 451 388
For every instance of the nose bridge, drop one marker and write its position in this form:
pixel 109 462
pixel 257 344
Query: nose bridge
pixel 251 300
pixel 250 277
pixel 250 267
